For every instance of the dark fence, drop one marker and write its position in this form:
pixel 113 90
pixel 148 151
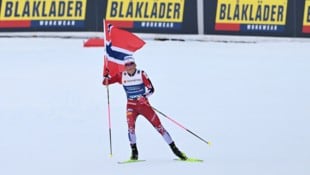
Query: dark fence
pixel 47 15
pixel 258 17
pixel 302 18
pixel 290 18
pixel 249 17
pixel 160 16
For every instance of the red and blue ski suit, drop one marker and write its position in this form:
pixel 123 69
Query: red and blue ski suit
pixel 138 87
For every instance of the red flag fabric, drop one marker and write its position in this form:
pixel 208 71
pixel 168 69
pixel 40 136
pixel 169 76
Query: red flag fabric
pixel 119 44
pixel 94 42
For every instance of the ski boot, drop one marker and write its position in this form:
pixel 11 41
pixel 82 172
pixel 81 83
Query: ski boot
pixel 177 152
pixel 134 152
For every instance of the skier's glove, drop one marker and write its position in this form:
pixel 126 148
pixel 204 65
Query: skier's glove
pixel 106 76
pixel 105 81
pixel 142 100
pixel 106 73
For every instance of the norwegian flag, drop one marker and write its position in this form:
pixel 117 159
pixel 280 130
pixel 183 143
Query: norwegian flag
pixel 119 44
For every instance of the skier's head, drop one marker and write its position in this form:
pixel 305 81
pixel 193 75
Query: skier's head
pixel 130 64
pixel 128 60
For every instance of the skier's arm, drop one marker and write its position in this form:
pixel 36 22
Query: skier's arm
pixel 148 84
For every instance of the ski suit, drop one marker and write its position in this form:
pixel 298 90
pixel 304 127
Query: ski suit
pixel 136 86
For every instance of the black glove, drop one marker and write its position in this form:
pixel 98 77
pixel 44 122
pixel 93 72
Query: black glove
pixel 106 73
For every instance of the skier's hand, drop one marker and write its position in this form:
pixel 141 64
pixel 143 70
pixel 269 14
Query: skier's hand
pixel 105 81
pixel 106 76
pixel 106 73
pixel 142 100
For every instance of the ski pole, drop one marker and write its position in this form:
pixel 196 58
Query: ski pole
pixel 109 121
pixel 177 123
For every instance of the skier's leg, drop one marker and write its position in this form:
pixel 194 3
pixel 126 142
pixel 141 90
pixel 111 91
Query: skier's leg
pixel 153 118
pixel 131 121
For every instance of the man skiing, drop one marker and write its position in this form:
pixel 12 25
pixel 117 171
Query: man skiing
pixel 138 88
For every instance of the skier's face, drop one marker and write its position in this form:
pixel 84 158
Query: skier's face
pixel 130 67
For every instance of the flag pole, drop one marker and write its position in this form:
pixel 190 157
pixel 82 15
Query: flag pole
pixel 108 92
pixel 109 121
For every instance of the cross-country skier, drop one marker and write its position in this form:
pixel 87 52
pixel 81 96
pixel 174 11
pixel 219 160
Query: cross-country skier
pixel 138 88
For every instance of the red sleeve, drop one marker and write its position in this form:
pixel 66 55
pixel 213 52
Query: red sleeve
pixel 148 84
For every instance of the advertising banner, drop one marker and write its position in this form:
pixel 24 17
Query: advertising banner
pixel 306 18
pixel 251 15
pixel 44 14
pixel 145 13
pixel 153 16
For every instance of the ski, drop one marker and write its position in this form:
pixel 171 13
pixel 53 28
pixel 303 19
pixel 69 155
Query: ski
pixel 193 160
pixel 190 160
pixel 130 161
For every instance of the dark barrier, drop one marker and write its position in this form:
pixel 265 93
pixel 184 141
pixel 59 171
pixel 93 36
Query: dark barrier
pixel 160 16
pixel 145 16
pixel 229 17
pixel 303 18
pixel 48 15
pixel 250 17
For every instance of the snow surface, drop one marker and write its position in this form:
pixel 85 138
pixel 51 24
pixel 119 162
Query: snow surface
pixel 252 101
